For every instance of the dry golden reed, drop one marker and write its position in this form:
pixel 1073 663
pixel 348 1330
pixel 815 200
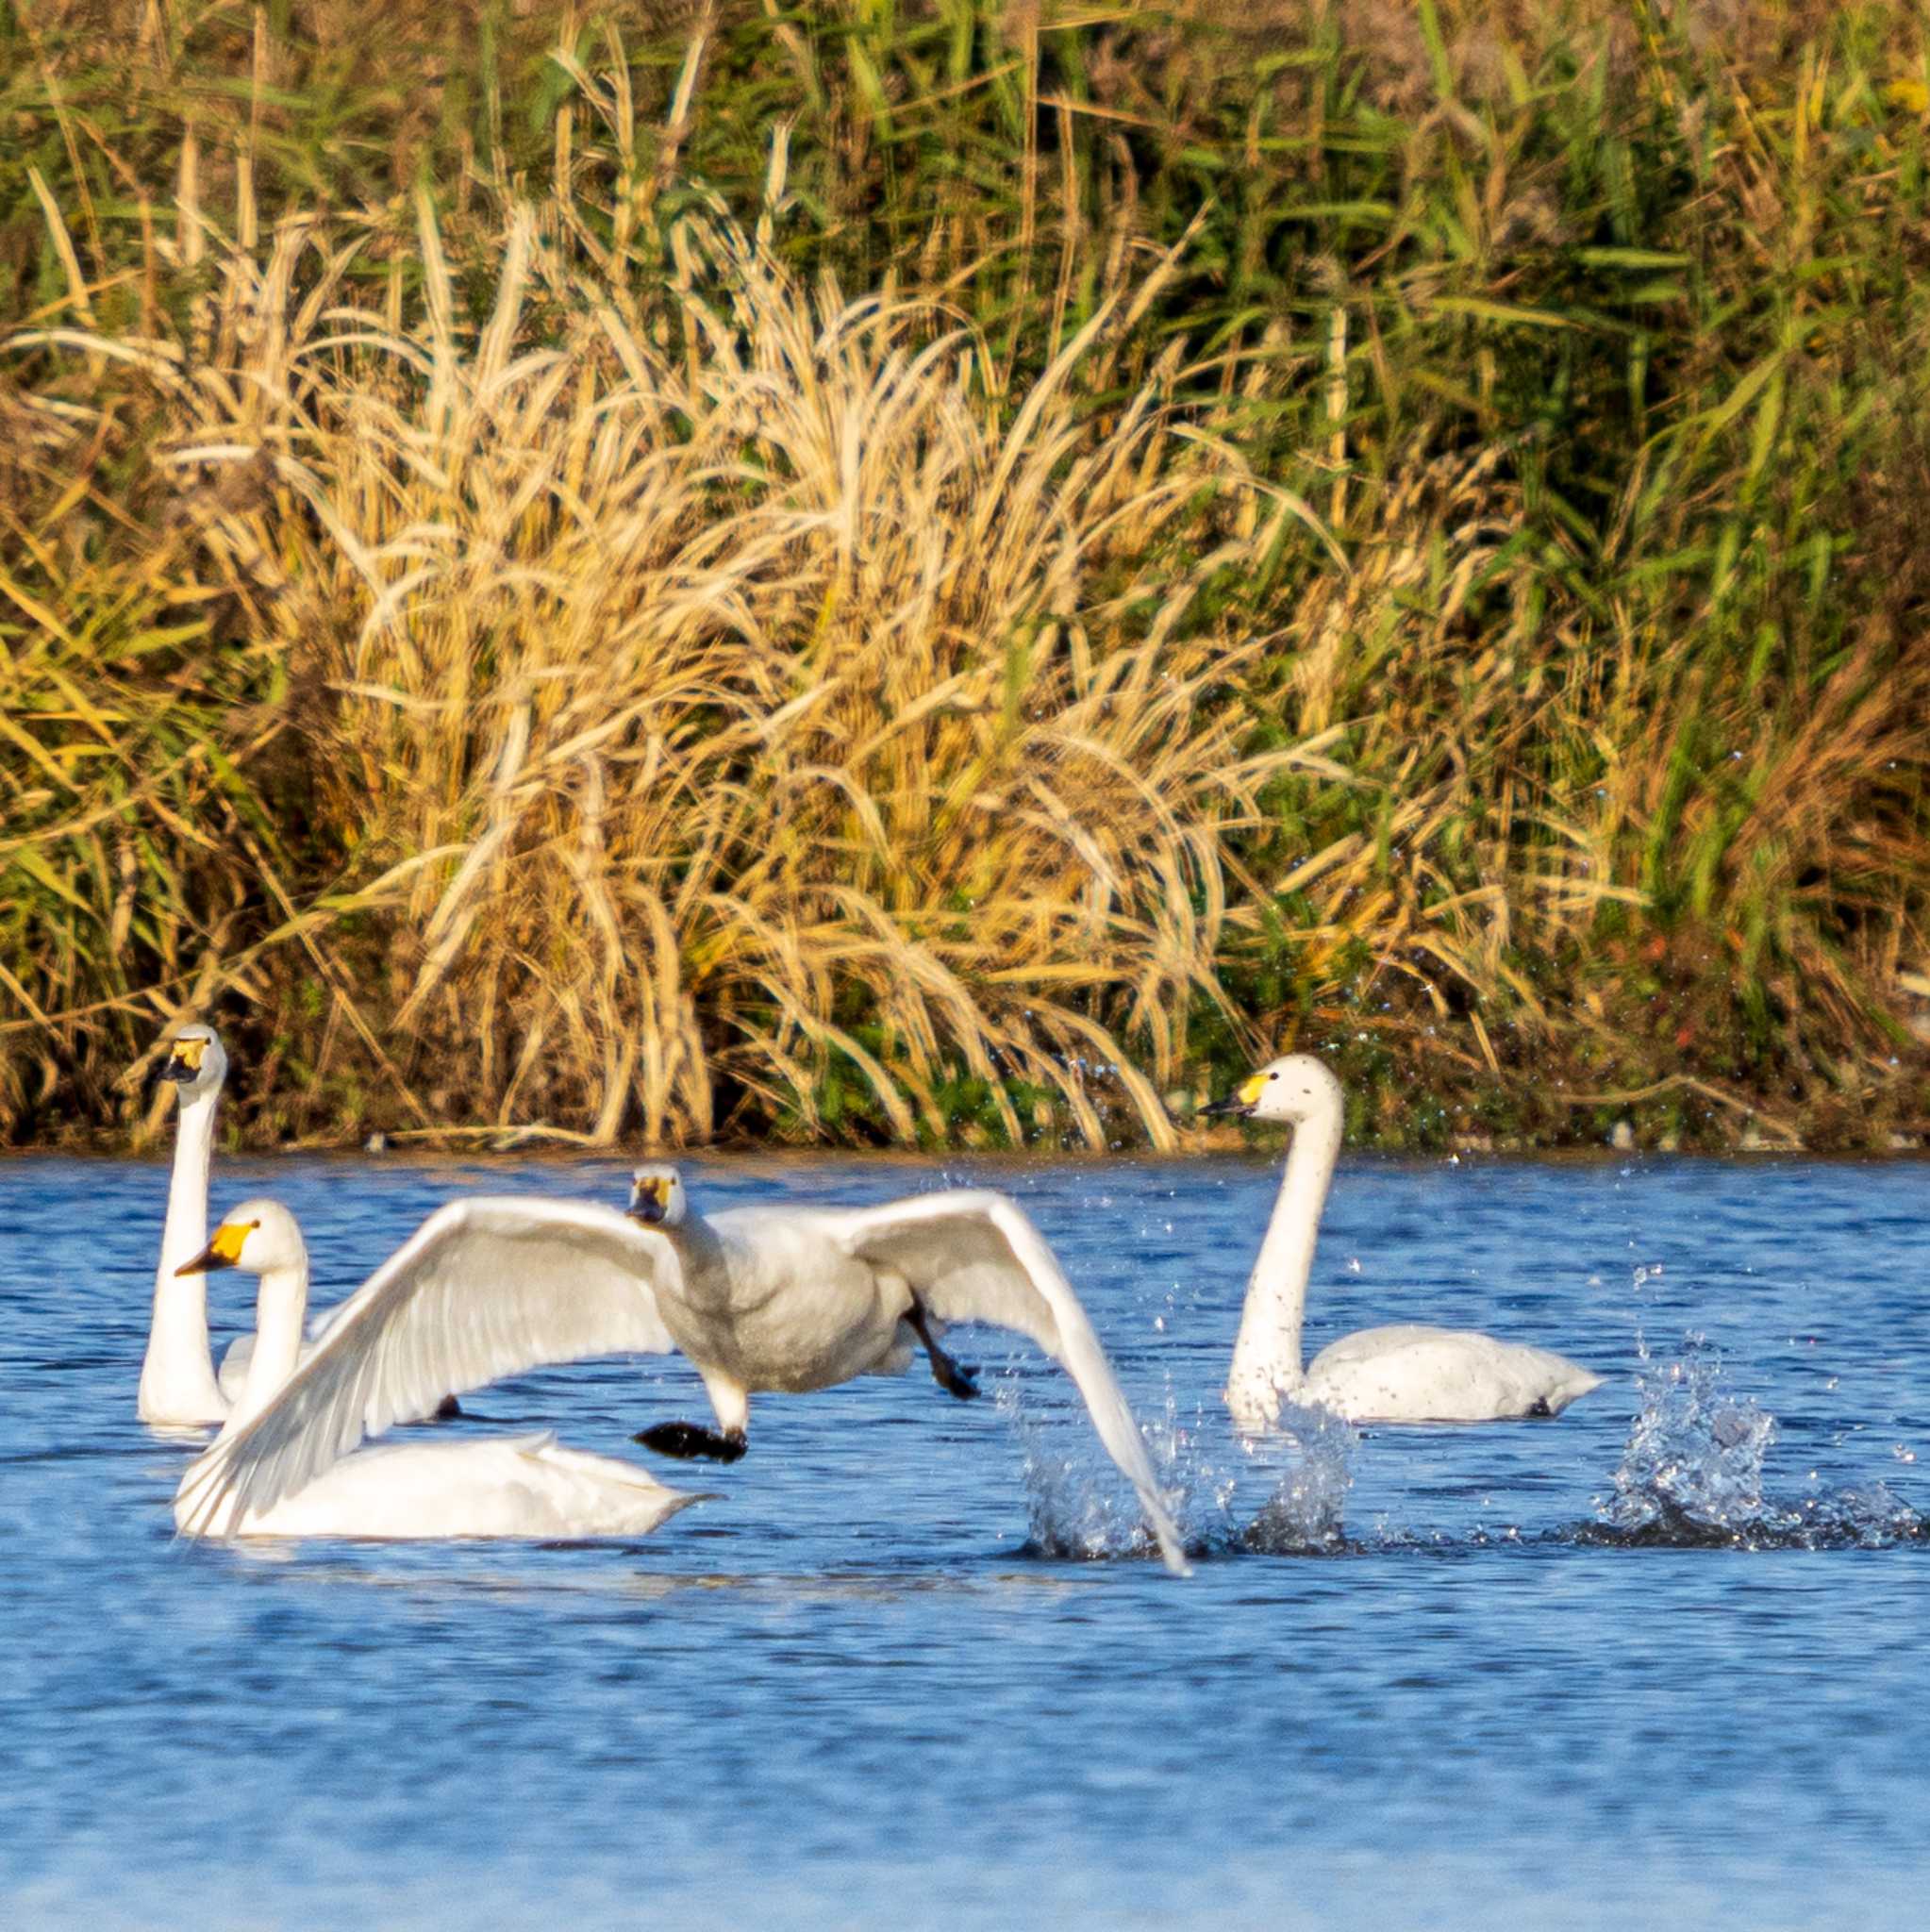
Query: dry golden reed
pixel 964 570
pixel 755 704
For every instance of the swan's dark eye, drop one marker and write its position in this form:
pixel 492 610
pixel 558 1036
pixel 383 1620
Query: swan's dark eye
pixel 1272 1076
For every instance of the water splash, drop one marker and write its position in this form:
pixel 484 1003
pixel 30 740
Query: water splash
pixel 1303 1513
pixel 1692 1474
pixel 1076 1505
pixel 1278 1493
pixel 1695 1452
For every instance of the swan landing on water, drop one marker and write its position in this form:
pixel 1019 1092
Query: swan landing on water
pixel 1404 1374
pixel 517 1486
pixel 758 1298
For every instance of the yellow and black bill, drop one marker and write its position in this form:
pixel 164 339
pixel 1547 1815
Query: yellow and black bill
pixel 223 1250
pixel 1240 1102
pixel 650 1199
pixel 180 1063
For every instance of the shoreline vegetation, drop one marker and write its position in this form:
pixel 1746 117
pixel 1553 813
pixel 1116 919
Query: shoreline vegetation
pixel 959 574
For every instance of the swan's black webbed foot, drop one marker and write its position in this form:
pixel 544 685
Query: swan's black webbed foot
pixel 447 1411
pixel 693 1441
pixel 952 1376
pixel 1539 1407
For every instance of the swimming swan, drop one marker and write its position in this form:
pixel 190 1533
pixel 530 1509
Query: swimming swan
pixel 520 1486
pixel 1404 1373
pixel 759 1298
pixel 179 1389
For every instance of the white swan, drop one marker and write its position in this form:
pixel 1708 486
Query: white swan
pixel 1404 1373
pixel 759 1298
pixel 521 1486
pixel 179 1389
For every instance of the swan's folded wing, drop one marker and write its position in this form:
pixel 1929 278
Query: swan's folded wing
pixel 484 1289
pixel 971 1255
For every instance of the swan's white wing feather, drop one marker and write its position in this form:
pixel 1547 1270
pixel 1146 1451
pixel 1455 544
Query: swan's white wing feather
pixel 971 1255
pixel 484 1289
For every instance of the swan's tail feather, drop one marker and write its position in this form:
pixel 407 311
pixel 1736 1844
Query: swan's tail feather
pixel 1579 1382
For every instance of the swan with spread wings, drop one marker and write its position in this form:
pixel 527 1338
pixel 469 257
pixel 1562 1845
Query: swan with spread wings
pixel 771 1298
pixel 502 1485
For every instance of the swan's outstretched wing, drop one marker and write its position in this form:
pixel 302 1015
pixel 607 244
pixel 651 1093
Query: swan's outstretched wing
pixel 971 1255
pixel 484 1289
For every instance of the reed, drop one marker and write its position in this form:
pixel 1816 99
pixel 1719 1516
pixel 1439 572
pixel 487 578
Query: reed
pixel 729 708
pixel 942 571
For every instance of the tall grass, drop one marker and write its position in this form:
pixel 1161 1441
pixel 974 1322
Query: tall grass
pixel 749 711
pixel 941 570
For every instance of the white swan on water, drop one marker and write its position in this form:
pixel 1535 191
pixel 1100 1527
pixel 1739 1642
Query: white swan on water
pixel 179 1386
pixel 759 1298
pixel 1402 1374
pixel 179 1389
pixel 519 1485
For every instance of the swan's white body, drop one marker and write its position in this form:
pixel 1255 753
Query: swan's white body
pixel 178 1381
pixel 522 1485
pixel 179 1386
pixel 757 1299
pixel 517 1486
pixel 1402 1374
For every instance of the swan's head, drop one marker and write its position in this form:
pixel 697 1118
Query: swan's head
pixel 258 1237
pixel 1296 1087
pixel 657 1195
pixel 193 1061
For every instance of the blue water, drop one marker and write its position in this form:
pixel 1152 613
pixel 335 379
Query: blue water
pixel 912 1667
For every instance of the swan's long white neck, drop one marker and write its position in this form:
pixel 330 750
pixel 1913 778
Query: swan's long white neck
pixel 1266 1357
pixel 177 1382
pixel 279 1305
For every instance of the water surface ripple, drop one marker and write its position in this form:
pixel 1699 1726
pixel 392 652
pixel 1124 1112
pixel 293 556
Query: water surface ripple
pixel 911 1668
